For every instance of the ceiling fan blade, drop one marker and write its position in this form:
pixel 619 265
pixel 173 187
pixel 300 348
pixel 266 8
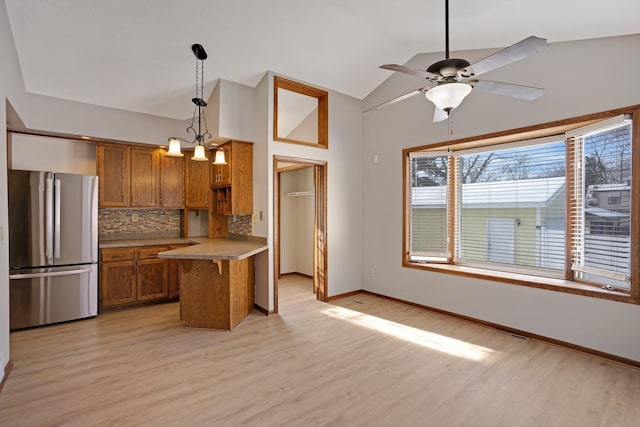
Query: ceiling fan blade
pixel 506 56
pixel 396 99
pixel 508 89
pixel 412 71
pixel 439 115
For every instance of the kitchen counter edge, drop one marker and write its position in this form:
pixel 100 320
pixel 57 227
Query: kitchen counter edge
pixel 216 249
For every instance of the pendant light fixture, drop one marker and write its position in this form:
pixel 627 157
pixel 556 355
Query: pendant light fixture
pixel 198 113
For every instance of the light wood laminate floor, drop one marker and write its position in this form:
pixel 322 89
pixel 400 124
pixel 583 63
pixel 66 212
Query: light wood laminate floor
pixel 364 361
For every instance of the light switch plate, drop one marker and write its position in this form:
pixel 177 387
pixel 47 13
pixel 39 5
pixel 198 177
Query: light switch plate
pixel 1 234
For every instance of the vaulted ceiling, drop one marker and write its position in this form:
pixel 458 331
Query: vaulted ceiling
pixel 135 54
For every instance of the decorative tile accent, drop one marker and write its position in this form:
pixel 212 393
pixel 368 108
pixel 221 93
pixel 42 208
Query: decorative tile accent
pixel 151 223
pixel 240 224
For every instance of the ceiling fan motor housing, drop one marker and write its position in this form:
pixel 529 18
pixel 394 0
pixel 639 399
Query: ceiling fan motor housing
pixel 448 67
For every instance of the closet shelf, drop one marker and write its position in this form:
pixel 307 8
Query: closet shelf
pixel 300 193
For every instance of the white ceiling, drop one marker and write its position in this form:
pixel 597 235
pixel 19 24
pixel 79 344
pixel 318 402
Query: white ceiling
pixel 135 54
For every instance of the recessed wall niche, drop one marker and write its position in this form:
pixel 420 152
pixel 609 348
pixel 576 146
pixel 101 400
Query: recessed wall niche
pixel 300 113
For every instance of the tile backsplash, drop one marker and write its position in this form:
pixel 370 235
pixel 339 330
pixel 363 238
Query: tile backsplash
pixel 240 224
pixel 117 224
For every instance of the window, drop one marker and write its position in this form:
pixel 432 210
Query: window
pixel 600 157
pixel 429 196
pixel 552 211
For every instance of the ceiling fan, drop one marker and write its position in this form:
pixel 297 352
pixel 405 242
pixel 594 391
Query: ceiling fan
pixel 450 80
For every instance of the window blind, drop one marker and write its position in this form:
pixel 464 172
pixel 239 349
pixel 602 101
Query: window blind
pixel 513 207
pixel 430 205
pixel 600 206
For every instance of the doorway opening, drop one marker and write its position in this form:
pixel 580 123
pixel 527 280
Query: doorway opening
pixel 309 201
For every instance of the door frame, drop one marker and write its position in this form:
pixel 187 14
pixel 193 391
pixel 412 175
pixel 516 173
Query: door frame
pixel 320 264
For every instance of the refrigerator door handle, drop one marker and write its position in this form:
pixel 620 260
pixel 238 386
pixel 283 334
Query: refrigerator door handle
pixel 94 219
pixel 49 220
pixel 50 274
pixel 56 237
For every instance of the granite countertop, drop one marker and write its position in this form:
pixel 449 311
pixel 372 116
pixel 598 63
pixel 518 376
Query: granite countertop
pixel 216 249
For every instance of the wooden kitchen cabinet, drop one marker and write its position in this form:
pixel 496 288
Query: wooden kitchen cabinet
pixel 136 275
pixel 171 181
pixel 113 165
pixel 117 277
pixel 221 174
pixel 145 167
pixel 131 175
pixel 196 185
pixel 152 280
pixel 232 184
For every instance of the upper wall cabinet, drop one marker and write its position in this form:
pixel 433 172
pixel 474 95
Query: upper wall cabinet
pixel 196 185
pixel 171 181
pixel 138 177
pixel 300 113
pixel 113 171
pixel 145 165
pixel 232 184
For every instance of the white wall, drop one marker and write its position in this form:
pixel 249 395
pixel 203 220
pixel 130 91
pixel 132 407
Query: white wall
pixel 296 221
pixel 344 205
pixel 567 71
pixel 231 112
pixel 307 129
pixel 34 152
pixel 198 223
pixel 263 192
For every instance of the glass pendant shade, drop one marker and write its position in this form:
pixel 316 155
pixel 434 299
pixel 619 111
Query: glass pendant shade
pixel 220 160
pixel 174 149
pixel 198 155
pixel 449 95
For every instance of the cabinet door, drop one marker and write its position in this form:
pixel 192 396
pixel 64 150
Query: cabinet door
pixel 113 172
pixel 225 170
pixel 241 198
pixel 117 283
pixel 221 174
pixel 196 183
pixel 152 279
pixel 171 182
pixel 144 177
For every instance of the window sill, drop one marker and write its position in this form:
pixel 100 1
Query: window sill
pixel 558 285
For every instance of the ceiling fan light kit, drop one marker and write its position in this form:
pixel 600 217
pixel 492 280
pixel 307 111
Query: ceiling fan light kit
pixel 450 80
pixel 448 96
pixel 199 135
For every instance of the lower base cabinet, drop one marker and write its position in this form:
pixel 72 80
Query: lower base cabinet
pixel 136 275
pixel 118 283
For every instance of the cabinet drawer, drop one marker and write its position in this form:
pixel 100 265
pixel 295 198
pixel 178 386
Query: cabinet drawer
pixel 117 254
pixel 151 252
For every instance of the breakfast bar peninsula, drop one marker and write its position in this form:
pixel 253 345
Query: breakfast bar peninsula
pixel 216 281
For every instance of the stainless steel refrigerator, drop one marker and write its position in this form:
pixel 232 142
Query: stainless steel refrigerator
pixel 53 247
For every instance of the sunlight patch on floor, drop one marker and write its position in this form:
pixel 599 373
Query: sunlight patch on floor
pixel 414 335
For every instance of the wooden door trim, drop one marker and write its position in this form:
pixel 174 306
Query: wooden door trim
pixel 321 204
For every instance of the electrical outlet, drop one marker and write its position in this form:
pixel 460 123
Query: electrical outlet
pixel 134 217
pixel 372 272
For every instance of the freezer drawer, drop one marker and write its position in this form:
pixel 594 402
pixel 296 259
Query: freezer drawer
pixel 51 295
